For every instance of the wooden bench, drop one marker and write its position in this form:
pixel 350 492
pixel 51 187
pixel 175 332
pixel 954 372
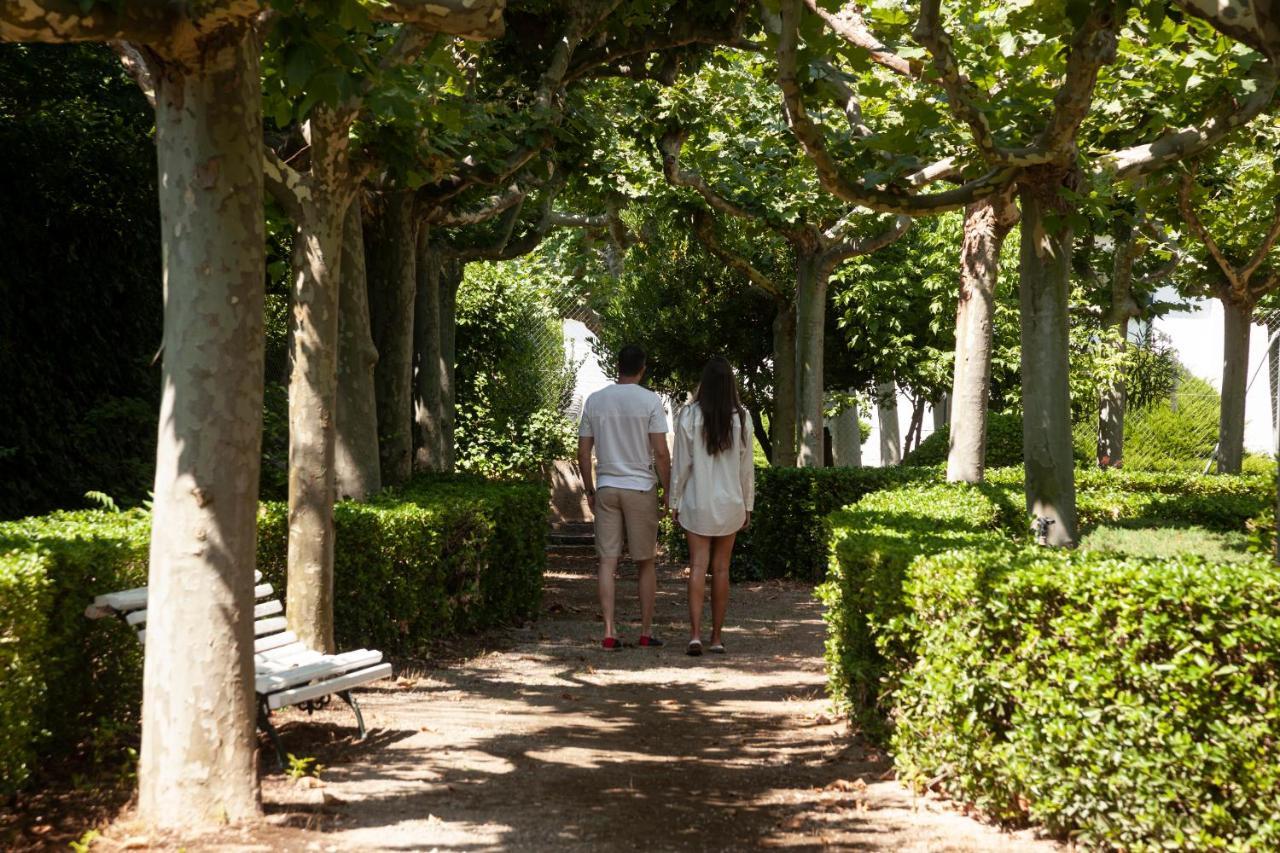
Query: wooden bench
pixel 285 671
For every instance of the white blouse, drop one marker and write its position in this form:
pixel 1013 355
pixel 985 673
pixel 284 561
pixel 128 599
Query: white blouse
pixel 713 494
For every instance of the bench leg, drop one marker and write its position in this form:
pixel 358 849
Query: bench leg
pixel 264 723
pixel 355 706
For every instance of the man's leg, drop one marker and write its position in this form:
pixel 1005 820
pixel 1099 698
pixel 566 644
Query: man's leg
pixel 608 568
pixel 609 523
pixel 640 511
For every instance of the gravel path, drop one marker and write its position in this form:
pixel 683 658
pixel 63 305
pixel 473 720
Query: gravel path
pixel 537 739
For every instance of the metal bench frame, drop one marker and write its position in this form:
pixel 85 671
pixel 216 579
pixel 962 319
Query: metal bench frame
pixel 285 672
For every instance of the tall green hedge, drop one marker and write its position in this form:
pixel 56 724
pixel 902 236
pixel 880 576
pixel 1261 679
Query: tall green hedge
pixel 445 555
pixel 1132 703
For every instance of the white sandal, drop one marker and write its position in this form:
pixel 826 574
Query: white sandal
pixel 695 649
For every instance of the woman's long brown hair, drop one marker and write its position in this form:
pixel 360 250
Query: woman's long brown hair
pixel 717 396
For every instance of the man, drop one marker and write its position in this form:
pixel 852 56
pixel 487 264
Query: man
pixel 626 427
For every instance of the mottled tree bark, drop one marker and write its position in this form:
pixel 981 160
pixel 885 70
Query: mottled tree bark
pixel 390 250
pixel 1236 321
pixel 197 758
pixel 783 423
pixel 313 385
pixel 811 304
pixel 986 224
pixel 846 438
pixel 887 417
pixel 1044 272
pixel 451 275
pixel 428 378
pixel 356 440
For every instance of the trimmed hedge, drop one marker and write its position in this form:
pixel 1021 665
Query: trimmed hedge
pixel 1004 443
pixel 445 555
pixel 1131 702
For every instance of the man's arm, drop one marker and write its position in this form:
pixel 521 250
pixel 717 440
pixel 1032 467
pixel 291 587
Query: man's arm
pixel 585 444
pixel 662 461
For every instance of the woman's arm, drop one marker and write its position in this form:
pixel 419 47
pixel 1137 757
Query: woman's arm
pixel 681 463
pixel 747 471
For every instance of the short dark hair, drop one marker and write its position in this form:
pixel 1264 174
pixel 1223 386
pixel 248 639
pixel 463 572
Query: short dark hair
pixel 630 360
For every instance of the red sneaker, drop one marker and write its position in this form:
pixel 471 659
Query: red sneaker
pixel 611 643
pixel 646 640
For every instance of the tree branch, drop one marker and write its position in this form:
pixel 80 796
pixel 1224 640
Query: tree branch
pixel 883 200
pixel 1238 20
pixel 470 19
pixel 136 64
pixel 849 25
pixel 144 21
pixel 1264 248
pixel 704 230
pixel 1138 160
pixel 851 248
pixel 289 187
pixel 1092 46
pixel 492 206
pixel 670 144
pixel 1188 211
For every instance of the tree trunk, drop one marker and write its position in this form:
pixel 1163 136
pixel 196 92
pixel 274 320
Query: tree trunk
pixel 916 425
pixel 762 435
pixel 887 415
pixel 197 758
pixel 1237 318
pixel 846 438
pixel 451 275
pixel 1044 279
pixel 356 445
pixel 783 424
pixel 390 260
pixel 1111 409
pixel 941 409
pixel 811 312
pixel 986 224
pixel 428 378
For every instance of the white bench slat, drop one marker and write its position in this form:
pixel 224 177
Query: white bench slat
pixel 323 688
pixel 263 626
pixel 266 608
pixel 326 667
pixel 262 590
pixel 274 641
pixel 287 657
pixel 124 600
pixel 269 626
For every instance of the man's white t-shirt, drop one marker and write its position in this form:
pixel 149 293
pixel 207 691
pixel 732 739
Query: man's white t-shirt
pixel 620 417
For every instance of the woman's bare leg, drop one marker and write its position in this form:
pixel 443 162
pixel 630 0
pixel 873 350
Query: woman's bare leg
pixel 699 556
pixel 721 552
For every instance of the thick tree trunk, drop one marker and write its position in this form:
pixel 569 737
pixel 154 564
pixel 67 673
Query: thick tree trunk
pixel 783 424
pixel 887 417
pixel 846 438
pixel 1044 273
pixel 197 758
pixel 986 224
pixel 1111 408
pixel 428 372
pixel 811 312
pixel 313 386
pixel 356 444
pixel 390 249
pixel 451 275
pixel 1237 318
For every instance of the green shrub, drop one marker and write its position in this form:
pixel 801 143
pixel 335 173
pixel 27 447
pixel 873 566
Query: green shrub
pixel 1133 702
pixel 82 688
pixel 873 543
pixel 445 555
pixel 1129 702
pixel 1004 443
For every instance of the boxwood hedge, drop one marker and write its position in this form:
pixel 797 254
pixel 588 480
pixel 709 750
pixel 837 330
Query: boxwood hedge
pixel 445 555
pixel 1130 702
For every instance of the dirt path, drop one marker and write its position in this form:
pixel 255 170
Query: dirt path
pixel 536 739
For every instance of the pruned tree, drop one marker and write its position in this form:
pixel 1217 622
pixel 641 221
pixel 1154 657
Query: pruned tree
pixel 1030 136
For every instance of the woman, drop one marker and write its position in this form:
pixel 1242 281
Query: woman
pixel 712 491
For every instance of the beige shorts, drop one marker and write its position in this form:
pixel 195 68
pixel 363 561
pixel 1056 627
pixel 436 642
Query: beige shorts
pixel 629 514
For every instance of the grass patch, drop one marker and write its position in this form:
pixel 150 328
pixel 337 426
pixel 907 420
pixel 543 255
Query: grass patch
pixel 1213 545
